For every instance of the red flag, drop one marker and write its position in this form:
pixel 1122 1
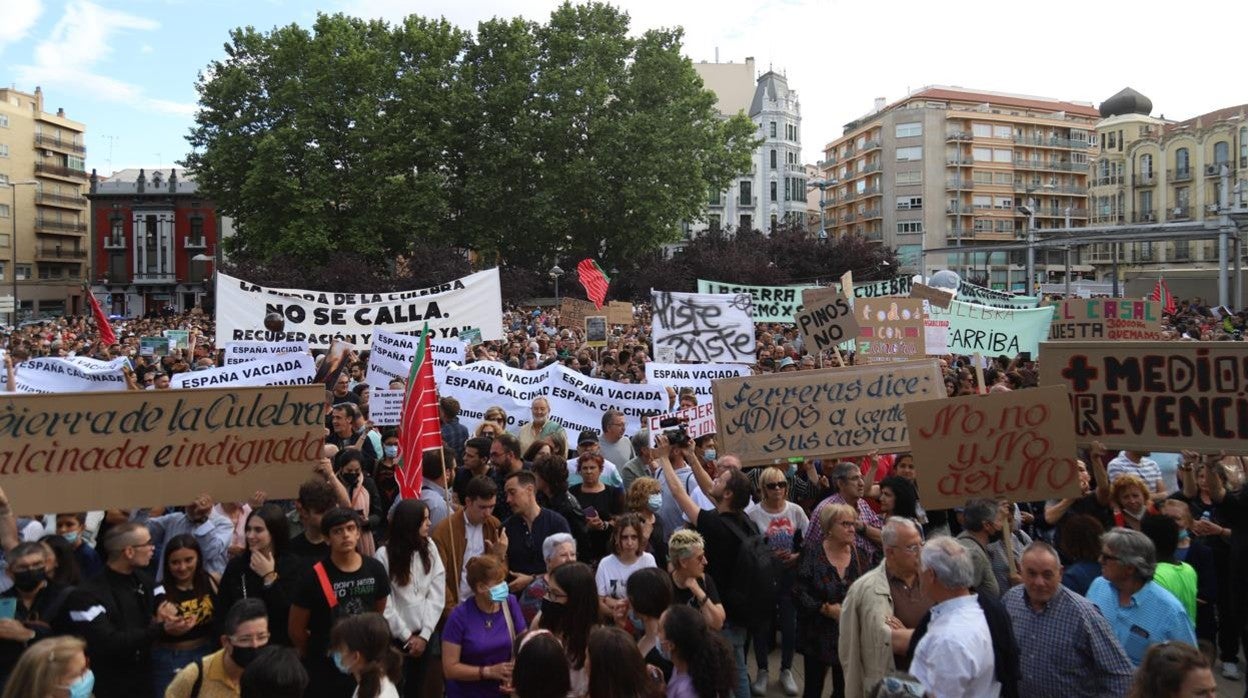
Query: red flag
pixel 1161 292
pixel 101 321
pixel 594 280
pixel 420 429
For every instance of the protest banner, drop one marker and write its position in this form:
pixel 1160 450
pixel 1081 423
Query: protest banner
pixel 572 312
pixel 898 286
pixel 971 293
pixel 827 412
pixel 1106 319
pixel 181 338
pixel 620 313
pixel 936 296
pixel 704 327
pixel 698 422
pixel 284 369
pixel 78 374
pixel 826 320
pixel 385 407
pixel 239 352
pixel 993 331
pixel 124 450
pixel 890 329
pixel 317 317
pixel 1017 445
pixel 596 331
pixel 1154 396
pixel 155 346
pixel 696 377
pixel 771 303
pixel 392 355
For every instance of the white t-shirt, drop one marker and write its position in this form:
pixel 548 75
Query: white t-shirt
pixel 779 529
pixel 474 546
pixel 613 575
pixel 387 690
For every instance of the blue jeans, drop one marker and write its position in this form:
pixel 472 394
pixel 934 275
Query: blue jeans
pixel 735 635
pixel 788 629
pixel 167 662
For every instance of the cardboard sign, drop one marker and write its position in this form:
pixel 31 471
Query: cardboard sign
pixel 596 331
pixel 385 407
pixel 705 327
pixel 1106 319
pixel 847 284
pixel 826 320
pixel 1154 396
pixel 699 421
pixel 123 450
pixel 935 296
pixel 828 412
pixel 1018 445
pixel 572 312
pixel 891 329
pixel 620 313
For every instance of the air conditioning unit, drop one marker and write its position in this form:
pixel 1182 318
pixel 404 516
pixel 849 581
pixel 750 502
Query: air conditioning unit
pixel 1211 170
pixel 48 154
pixel 1149 218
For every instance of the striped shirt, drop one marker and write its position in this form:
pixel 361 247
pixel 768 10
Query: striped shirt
pixel 1147 469
pixel 1153 616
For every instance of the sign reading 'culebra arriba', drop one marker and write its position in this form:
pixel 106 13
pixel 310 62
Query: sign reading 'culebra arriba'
pixel 132 449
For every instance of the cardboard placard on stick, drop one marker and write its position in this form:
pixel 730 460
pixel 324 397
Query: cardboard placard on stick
pixel 1154 396
pixel 891 329
pixel 572 312
pixel 620 313
pixel 826 319
pixel 819 413
pixel 596 330
pixel 1018 445
pixel 1106 319
pixel 123 450
pixel 935 296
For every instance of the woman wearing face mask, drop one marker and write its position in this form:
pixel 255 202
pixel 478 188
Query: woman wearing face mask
pixel 570 612
pixel 644 498
pixel 39 610
pixel 387 485
pixel 417 588
pixel 477 639
pixel 361 647
pixel 188 609
pixel 265 570
pixel 52 668
pixel 649 594
pixel 702 661
pixel 365 499
pixel 1131 501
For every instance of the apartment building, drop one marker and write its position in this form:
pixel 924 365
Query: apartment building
pixel 43 231
pixel 954 167
pixel 1153 170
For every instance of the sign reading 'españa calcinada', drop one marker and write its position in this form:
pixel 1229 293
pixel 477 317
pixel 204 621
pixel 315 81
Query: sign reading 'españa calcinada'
pixel 121 450
pixel 318 317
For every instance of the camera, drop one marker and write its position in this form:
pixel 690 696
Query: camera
pixel 678 436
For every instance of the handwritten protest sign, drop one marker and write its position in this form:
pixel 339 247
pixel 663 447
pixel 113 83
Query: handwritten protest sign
pixel 705 327
pixel 1154 396
pixel 572 312
pixel 993 331
pixel 826 319
pixel 699 421
pixel 620 313
pixel 78 374
pixel 1106 319
pixel 385 407
pixel 891 329
pixel 239 352
pixel 695 377
pixel 971 293
pixel 1019 445
pixel 936 296
pixel 771 303
pixel 131 449
pixel 899 286
pixel 829 412
pixel 319 317
pixel 285 369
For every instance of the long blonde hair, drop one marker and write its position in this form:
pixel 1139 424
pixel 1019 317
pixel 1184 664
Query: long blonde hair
pixel 39 670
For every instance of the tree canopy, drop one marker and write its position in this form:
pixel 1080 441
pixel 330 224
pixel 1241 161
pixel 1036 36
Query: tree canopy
pixel 525 143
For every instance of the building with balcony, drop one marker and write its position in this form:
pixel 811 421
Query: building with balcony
pixel 1154 170
pixel 774 189
pixel 953 167
pixel 155 241
pixel 43 231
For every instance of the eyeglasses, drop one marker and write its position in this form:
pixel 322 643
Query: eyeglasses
pixel 777 485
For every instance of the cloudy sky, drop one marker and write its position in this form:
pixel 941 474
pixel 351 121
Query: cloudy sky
pixel 127 68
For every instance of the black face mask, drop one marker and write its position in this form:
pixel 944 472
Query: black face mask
pixel 243 656
pixel 996 536
pixel 29 580
pixel 552 612
pixel 351 479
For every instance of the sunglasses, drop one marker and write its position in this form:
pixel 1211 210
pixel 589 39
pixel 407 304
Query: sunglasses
pixel 777 485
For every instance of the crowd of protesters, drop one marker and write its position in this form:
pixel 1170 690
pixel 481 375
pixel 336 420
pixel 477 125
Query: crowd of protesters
pixel 541 563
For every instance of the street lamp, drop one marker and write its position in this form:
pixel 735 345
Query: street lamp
pixel 13 215
pixel 555 273
pixel 202 259
pixel 822 185
pixel 1030 211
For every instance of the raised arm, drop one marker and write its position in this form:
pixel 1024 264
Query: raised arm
pixel 1096 460
pixel 677 489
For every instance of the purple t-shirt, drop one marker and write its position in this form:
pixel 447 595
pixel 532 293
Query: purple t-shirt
pixel 483 640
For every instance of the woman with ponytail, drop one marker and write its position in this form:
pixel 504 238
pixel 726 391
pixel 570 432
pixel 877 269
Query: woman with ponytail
pixel 703 663
pixel 361 647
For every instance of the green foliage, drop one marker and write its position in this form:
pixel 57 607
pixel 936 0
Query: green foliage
pixel 526 143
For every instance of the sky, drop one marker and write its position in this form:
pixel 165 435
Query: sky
pixel 127 69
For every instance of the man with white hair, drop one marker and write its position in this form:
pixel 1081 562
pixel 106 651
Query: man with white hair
pixel 542 427
pixel 955 657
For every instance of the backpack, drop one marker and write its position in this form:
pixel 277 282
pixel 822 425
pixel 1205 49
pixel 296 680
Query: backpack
pixel 751 597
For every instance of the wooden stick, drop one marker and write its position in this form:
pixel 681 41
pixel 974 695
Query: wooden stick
pixel 979 374
pixel 1007 538
pixel 840 359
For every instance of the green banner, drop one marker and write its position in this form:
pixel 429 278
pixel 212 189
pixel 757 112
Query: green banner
pixel 771 303
pixel 990 331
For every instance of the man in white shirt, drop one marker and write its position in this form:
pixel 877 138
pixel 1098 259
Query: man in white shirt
pixel 955 657
pixel 1139 464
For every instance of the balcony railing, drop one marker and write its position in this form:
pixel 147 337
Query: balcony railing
pixel 1061 212
pixel 959 208
pixel 1177 175
pixel 872 213
pixel 1046 142
pixel 745 201
pixel 870 145
pixel 115 243
pixel 1061 166
pixel 1144 179
pixel 959 136
pixel 59 226
pixel 58 171
pixel 153 278
pixel 1107 181
pixel 957 161
pixel 1144 216
pixel 196 243
pixel 51 142
pixel 60 253
pixel 60 200
pixel 955 184
pixel 1179 212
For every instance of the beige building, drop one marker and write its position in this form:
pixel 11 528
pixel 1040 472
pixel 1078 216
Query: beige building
pixel 954 167
pixel 1151 170
pixel 42 174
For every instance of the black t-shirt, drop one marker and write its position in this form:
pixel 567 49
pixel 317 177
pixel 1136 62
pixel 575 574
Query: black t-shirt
pixel 682 595
pixel 609 504
pixel 357 592
pixel 722 544
pixel 191 604
pixel 307 552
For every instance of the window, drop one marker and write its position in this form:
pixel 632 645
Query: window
pixel 1182 162
pixel 1221 152
pixel 773 221
pixel 74 162
pixel 909 203
pixel 999 131
pixel 745 223
pixel 981 177
pixel 1002 155
pixel 4 120
pixel 1146 202
pixel 909 130
pixel 1003 178
pixel 773 158
pixel 4 180
pixel 747 193
pixel 4 241
pixel 981 130
pixel 4 210
pixel 982 154
pixel 2 271
pixel 982 224
pixel 4 150
pixel 1146 165
pixel 21 271
pixel 860 187
pixel 911 153
pixel 982 202
pixel 1004 202
pixel 910 177
pixel 715 201
pixel 909 227
pixel 1182 250
pixel 1243 146
pixel 1111 140
pixel 1182 198
pixel 773 191
pixel 773 129
pixel 861 142
pixel 712 222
